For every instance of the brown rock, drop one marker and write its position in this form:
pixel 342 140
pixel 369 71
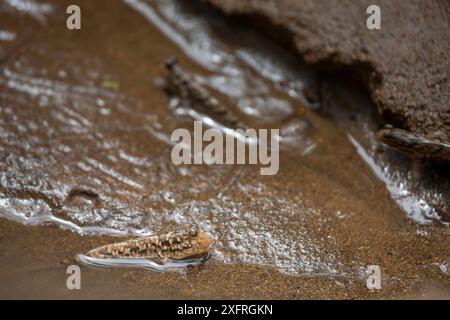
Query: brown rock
pixel 405 65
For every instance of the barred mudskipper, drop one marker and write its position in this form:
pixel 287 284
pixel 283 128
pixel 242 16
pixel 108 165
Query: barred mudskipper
pixel 169 250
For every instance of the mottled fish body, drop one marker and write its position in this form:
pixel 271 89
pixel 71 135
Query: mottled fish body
pixel 189 243
pixel 415 145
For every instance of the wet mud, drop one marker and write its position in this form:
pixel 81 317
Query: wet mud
pixel 85 127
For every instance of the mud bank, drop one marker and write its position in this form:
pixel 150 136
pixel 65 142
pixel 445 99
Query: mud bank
pixel 85 160
pixel 405 65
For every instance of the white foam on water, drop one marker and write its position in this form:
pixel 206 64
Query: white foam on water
pixel 37 10
pixel 7 36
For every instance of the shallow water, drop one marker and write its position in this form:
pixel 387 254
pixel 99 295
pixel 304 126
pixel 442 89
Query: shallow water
pixel 86 146
pixel 234 62
pixel 169 266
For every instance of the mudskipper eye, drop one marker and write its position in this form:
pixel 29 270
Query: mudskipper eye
pixel 193 230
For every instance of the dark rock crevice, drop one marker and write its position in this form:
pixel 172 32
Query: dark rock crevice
pixel 404 66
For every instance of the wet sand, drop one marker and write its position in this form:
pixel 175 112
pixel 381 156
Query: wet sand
pixel 39 273
pixel 80 111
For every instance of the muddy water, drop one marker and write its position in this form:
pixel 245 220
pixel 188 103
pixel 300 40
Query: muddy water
pixel 85 158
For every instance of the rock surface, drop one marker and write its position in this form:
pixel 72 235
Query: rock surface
pixel 405 65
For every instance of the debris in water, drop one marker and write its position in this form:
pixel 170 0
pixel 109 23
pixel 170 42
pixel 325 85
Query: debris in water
pixel 110 84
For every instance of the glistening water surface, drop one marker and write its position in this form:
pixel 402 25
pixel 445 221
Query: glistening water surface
pixel 85 145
